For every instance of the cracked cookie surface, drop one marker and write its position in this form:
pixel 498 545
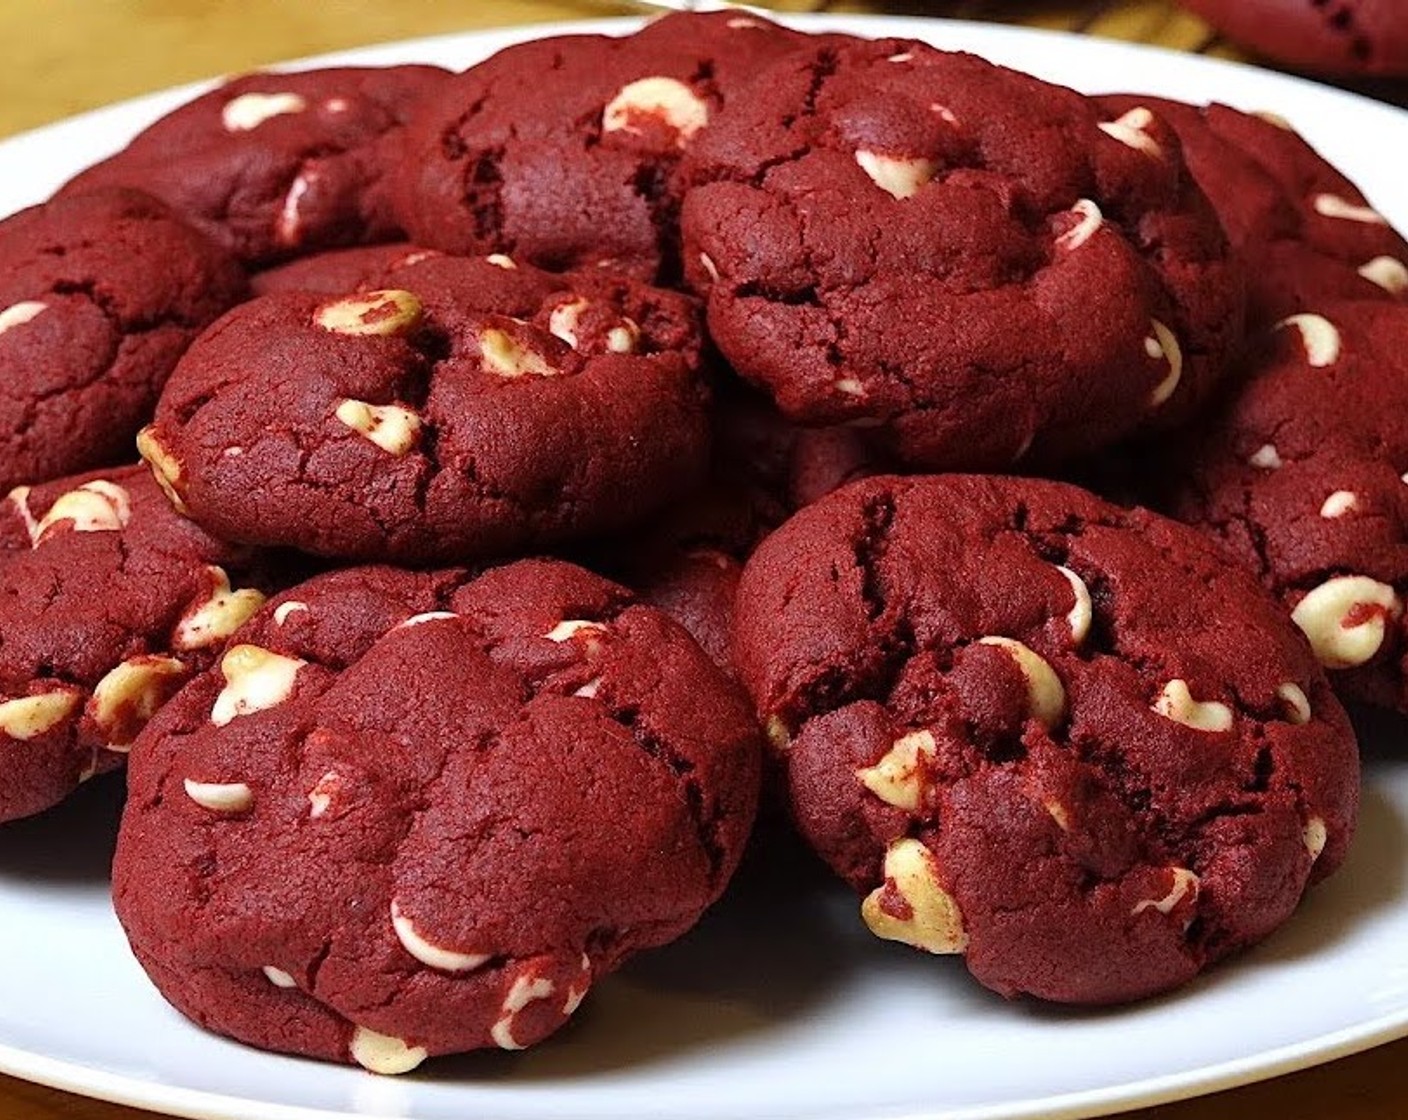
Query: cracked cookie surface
pixel 275 165
pixel 1069 741
pixel 563 151
pixel 891 234
pixel 421 813
pixel 99 296
pixel 464 408
pixel 81 670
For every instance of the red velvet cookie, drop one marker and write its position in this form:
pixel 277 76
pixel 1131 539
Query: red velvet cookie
pixel 970 257
pixel 109 602
pixel 98 298
pixel 339 270
pixel 563 150
pixel 1066 740
pixel 416 814
pixel 1300 474
pixel 1305 231
pixel 1324 36
pixel 467 408
pixel 272 165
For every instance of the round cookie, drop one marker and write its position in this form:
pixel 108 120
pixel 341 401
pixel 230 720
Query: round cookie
pixel 338 270
pixel 466 408
pixel 98 298
pixel 1325 36
pixel 1300 475
pixel 1305 231
pixel 1068 741
pixel 273 165
pixel 562 151
pixel 972 258
pixel 420 813
pixel 109 602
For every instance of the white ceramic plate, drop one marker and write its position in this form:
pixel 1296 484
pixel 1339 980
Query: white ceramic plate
pixel 780 1004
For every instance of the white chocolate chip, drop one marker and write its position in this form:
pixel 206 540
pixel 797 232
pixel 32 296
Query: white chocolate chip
pixel 1130 130
pixel 1184 884
pixel 934 923
pixel 1058 813
pixel 505 356
pixel 564 318
pixel 1090 220
pixel 1295 701
pixel 499 260
pixel 17 314
pixel 1389 273
pixel 1082 614
pixel 394 429
pixel 383 1054
pixel 219 616
pixel 130 694
pixel 250 110
pixel 1046 696
pixel 427 616
pixel 19 498
pixel 1339 503
pixel 26 717
pixel 945 113
pixel 671 101
pixel 288 226
pixel 897 779
pixel 525 990
pixel 575 994
pixel 220 797
pixel 1314 837
pixel 256 679
pixel 1175 702
pixel 380 314
pixel 1333 206
pixel 897 176
pixel 903 56
pixel 1162 345
pixel 1344 619
pixel 278 977
pixel 95 507
pixel 706 262
pixel 850 386
pixel 589 690
pixel 437 957
pixel 740 22
pixel 336 105
pixel 1274 118
pixel 1265 457
pixel 283 610
pixel 165 469
pixel 569 628
pixel 1319 337
pixel 321 795
pixel 622 339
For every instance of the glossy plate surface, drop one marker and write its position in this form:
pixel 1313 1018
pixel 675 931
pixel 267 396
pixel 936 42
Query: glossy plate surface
pixel 780 1004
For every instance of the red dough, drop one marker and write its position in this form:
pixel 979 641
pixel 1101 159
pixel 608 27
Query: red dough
pixel 109 602
pixel 425 813
pixel 563 151
pixel 1325 36
pixel 98 298
pixel 467 408
pixel 272 165
pixel 1093 782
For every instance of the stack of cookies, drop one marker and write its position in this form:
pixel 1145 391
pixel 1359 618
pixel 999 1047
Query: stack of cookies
pixel 540 470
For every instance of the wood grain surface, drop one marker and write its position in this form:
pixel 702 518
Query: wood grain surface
pixel 59 57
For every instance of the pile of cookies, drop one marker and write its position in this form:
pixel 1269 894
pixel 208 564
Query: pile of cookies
pixel 539 471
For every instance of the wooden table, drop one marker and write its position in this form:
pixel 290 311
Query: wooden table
pixel 59 57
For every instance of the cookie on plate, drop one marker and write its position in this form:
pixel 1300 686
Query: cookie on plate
pixel 274 165
pixel 1068 741
pixel 1344 37
pixel 416 814
pixel 98 298
pixel 109 602
pixel 966 256
pixel 1300 475
pixel 465 408
pixel 1305 231
pixel 562 151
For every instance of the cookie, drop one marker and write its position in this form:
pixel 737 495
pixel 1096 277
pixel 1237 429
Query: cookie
pixel 109 602
pixel 459 803
pixel 1305 231
pixel 562 151
pixel 338 270
pixel 464 409
pixel 1346 37
pixel 1300 475
pixel 1067 741
pixel 969 258
pixel 98 298
pixel 274 165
